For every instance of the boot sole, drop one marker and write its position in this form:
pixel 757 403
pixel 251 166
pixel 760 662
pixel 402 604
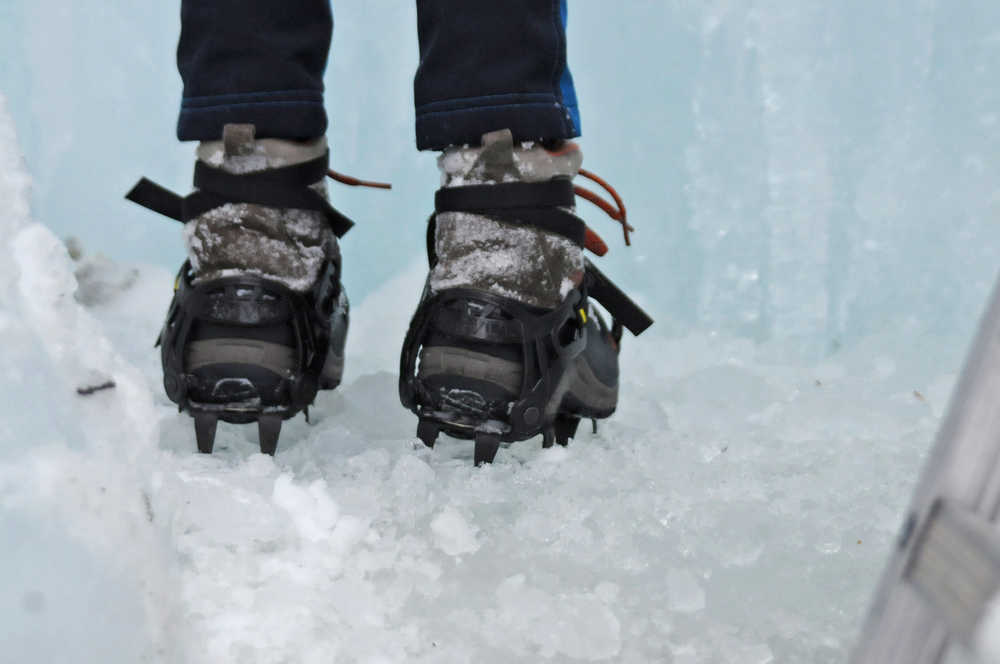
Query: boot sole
pixel 470 390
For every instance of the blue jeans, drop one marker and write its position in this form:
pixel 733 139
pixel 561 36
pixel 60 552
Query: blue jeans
pixel 484 65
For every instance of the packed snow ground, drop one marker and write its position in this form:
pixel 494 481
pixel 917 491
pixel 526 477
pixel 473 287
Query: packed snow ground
pixel 736 509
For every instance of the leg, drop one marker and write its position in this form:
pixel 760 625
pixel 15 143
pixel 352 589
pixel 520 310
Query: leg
pixel 505 344
pixel 487 65
pixel 257 62
pixel 258 320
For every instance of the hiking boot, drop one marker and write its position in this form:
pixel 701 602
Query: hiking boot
pixel 506 342
pixel 259 319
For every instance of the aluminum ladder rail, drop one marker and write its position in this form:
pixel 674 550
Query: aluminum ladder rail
pixel 945 567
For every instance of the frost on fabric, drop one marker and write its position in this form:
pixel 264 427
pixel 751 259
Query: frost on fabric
pixel 288 246
pixel 519 262
pixel 460 166
pixel 456 165
pixel 523 263
pixel 260 155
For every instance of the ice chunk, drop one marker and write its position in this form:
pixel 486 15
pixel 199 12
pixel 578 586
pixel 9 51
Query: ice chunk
pixel 684 592
pixel 310 508
pixel 579 626
pixel 453 533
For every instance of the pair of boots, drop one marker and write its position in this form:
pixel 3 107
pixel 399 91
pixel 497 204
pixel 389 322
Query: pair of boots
pixel 505 343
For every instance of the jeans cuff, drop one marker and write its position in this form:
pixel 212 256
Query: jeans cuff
pixel 289 114
pixel 529 116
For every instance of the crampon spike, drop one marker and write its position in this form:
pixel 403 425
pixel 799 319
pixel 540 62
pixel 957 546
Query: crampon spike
pixel 427 432
pixel 487 446
pixel 204 431
pixel 548 438
pixel 565 428
pixel 269 428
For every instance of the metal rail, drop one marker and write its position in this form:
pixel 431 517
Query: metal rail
pixel 945 568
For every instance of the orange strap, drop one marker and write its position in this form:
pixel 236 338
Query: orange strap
pixel 355 182
pixel 593 242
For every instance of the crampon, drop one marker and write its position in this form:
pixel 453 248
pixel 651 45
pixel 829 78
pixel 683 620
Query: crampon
pixel 244 348
pixel 477 365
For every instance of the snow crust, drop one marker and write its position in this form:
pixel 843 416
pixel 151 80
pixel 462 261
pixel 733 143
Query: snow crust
pixel 736 509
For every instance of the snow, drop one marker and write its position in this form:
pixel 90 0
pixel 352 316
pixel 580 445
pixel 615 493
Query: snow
pixel 736 509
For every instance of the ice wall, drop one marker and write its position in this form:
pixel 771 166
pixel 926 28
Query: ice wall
pixel 817 171
pixel 798 170
pixel 69 592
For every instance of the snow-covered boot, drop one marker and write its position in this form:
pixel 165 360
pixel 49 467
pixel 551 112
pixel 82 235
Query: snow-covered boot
pixel 258 319
pixel 506 343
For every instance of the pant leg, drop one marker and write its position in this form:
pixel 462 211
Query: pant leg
pixel 253 61
pixel 491 64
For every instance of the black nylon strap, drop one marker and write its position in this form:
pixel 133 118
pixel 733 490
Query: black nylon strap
pixel 538 204
pixel 557 192
pixel 158 199
pixel 480 328
pixel 618 304
pixel 286 187
pixel 432 258
pixel 296 175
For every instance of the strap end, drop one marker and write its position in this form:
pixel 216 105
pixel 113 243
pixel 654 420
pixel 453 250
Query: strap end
pixel 153 197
